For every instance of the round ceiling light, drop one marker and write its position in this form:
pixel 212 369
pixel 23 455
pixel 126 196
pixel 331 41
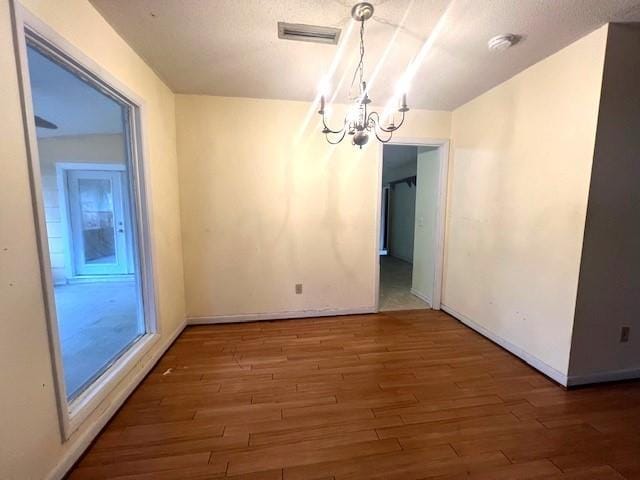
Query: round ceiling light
pixel 362 11
pixel 500 43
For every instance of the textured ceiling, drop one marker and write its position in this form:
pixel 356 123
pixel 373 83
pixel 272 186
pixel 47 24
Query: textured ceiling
pixel 231 47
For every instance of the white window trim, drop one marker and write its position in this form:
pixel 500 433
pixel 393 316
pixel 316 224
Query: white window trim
pixel 73 414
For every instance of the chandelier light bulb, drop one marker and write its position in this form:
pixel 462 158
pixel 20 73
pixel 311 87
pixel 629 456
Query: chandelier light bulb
pixel 402 87
pixel 324 87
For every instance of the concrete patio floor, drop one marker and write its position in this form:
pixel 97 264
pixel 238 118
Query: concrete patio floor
pixel 96 322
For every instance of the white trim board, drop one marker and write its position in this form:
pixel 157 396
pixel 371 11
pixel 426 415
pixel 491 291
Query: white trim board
pixel 82 442
pixel 535 362
pixel 256 317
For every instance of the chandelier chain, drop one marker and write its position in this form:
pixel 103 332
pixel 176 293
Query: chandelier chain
pixel 359 71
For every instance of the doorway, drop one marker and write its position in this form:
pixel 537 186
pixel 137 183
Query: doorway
pixel 411 225
pixel 97 221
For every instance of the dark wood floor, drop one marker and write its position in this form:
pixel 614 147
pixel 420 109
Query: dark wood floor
pixel 405 395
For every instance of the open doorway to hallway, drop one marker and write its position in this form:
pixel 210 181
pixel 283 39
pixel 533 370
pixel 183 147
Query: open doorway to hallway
pixel 408 224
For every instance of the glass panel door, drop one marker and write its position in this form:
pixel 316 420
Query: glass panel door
pixel 97 222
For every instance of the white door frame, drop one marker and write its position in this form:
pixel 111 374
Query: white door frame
pixel 443 181
pixel 73 413
pixel 62 168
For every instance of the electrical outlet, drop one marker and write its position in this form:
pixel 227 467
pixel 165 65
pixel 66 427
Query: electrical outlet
pixel 298 289
pixel 625 331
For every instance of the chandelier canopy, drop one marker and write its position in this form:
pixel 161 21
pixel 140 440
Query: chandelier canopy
pixel 359 122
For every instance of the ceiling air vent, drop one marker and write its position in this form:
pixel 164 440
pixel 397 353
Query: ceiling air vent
pixel 308 33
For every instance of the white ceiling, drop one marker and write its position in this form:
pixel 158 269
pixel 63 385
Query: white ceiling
pixel 231 47
pixel 69 102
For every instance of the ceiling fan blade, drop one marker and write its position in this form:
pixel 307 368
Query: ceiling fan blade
pixel 42 123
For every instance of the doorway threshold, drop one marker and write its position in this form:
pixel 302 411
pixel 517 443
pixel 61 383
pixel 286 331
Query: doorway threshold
pixel 100 278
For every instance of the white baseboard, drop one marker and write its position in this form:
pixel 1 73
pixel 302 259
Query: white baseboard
pixel 421 296
pixel 535 362
pixel 255 317
pixel 612 376
pixel 83 441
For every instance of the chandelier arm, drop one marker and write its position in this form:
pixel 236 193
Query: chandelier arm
pixel 377 130
pixel 374 126
pixel 344 132
pixel 382 140
pixel 324 123
pixel 376 122
pixel 401 122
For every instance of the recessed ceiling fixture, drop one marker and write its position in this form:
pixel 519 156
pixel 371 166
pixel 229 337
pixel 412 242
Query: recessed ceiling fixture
pixel 308 33
pixel 502 42
pixel 359 122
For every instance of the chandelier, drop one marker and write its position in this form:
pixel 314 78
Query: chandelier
pixel 359 122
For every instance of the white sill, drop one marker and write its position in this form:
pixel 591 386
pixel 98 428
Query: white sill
pixel 83 405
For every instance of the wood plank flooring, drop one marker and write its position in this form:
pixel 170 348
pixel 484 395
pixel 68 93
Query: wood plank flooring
pixel 401 395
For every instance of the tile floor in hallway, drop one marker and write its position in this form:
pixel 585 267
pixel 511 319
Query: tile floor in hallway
pixel 400 395
pixel 395 286
pixel 96 322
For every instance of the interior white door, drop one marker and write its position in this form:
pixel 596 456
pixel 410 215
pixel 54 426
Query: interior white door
pixel 96 211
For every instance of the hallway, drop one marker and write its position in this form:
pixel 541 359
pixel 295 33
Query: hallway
pixel 395 286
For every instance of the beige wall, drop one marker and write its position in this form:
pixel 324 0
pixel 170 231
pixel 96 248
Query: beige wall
pixel 518 194
pixel 30 444
pixel 262 211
